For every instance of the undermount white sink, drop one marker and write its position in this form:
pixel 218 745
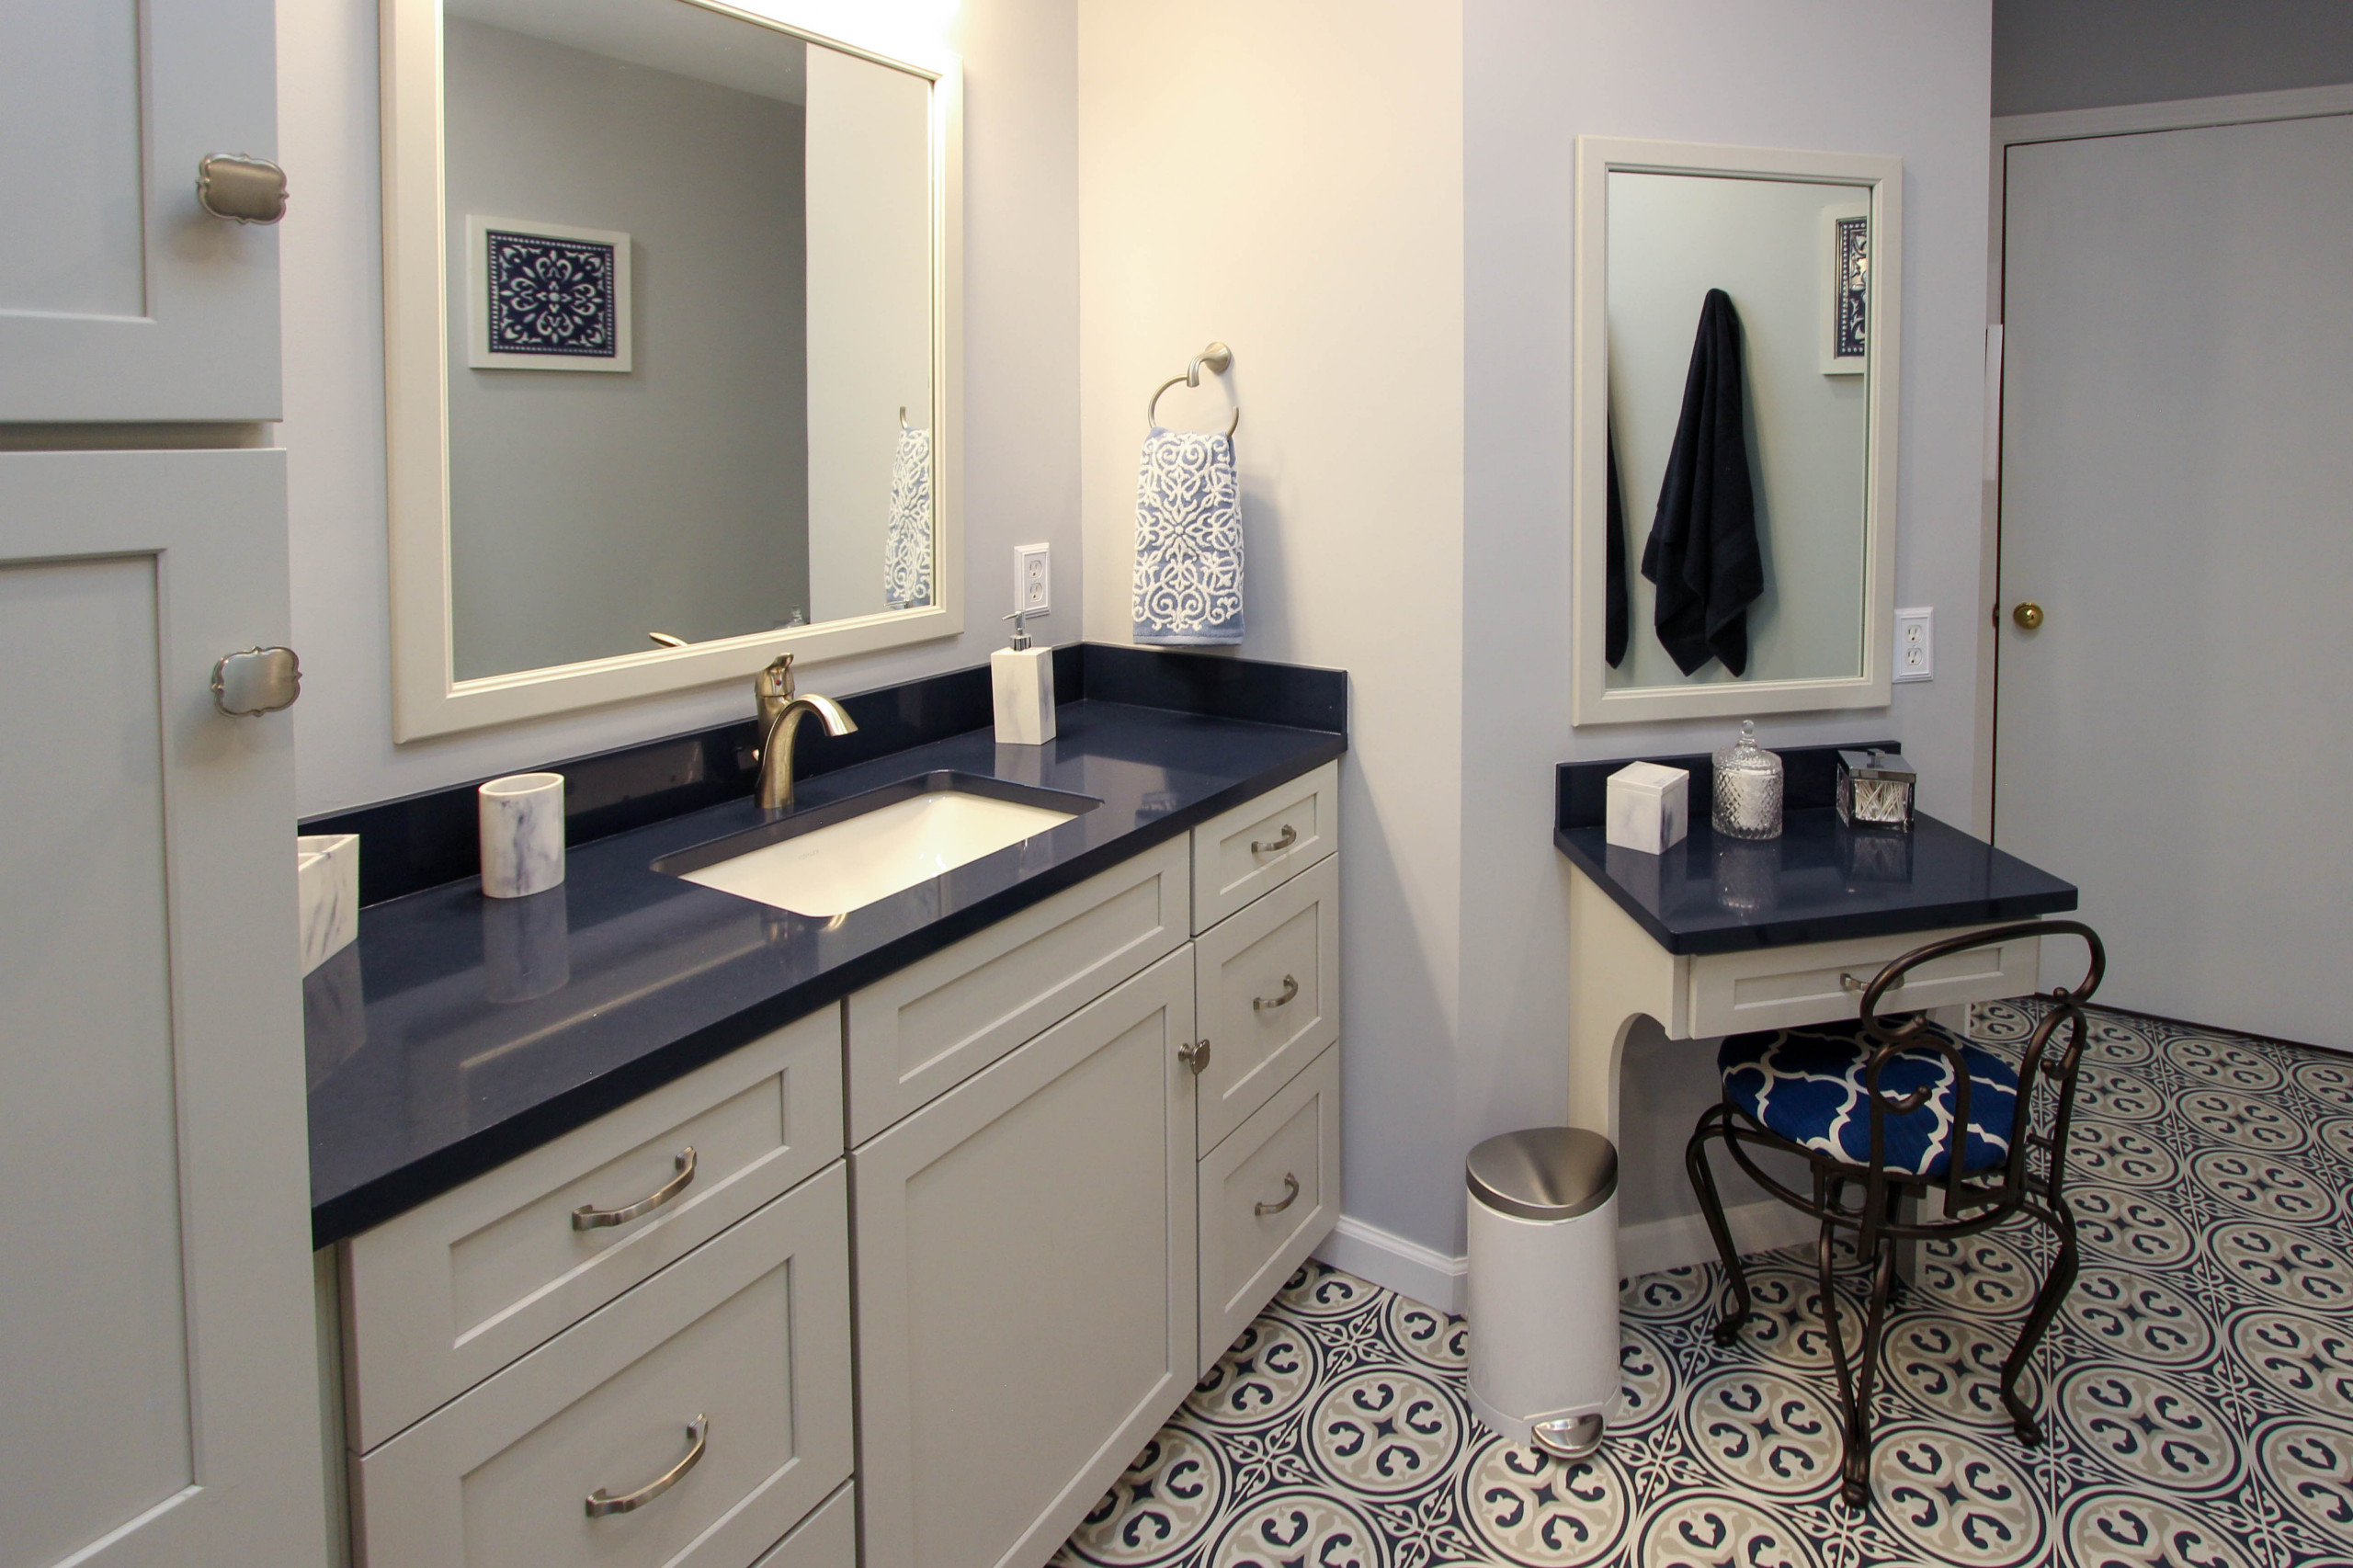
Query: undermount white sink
pixel 841 858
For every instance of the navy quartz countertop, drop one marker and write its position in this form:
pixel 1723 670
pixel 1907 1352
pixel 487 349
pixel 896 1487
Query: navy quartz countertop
pixel 624 978
pixel 1820 882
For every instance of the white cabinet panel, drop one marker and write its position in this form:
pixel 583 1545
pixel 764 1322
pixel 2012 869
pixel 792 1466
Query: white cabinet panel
pixel 1269 996
pixel 1263 843
pixel 748 1335
pixel 1027 1285
pixel 1268 1194
pixel 158 1384
pixel 1771 988
pixel 941 1020
pixel 450 1291
pixel 827 1538
pixel 120 298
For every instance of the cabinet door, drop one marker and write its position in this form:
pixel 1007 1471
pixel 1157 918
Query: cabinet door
pixel 120 297
pixel 159 1385
pixel 1026 1285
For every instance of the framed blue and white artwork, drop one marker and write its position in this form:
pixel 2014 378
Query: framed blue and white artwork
pixel 546 296
pixel 1846 291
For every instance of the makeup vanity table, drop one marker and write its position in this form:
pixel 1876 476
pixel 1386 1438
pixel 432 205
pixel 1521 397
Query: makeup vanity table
pixel 1720 935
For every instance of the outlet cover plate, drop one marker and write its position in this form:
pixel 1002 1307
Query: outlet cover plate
pixel 1915 644
pixel 1033 578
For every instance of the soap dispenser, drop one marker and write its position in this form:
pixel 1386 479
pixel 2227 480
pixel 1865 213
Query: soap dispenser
pixel 1023 680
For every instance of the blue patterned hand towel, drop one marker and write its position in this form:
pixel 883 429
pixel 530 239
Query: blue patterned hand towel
pixel 906 548
pixel 1189 542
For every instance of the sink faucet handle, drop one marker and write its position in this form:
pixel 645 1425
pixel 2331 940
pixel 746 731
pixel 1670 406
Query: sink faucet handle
pixel 772 688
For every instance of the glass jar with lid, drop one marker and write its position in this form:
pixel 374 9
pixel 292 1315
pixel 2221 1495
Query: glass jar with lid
pixel 1749 787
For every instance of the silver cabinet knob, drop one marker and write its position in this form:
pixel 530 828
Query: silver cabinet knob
pixel 1195 1055
pixel 244 189
pixel 257 681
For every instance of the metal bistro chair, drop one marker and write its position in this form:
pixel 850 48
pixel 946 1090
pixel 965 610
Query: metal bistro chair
pixel 1872 1105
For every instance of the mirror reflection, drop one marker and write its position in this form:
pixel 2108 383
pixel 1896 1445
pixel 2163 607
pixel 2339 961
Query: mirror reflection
pixel 1739 403
pixel 688 275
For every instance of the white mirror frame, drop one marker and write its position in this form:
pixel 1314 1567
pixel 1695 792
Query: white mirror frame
pixel 1591 698
pixel 428 698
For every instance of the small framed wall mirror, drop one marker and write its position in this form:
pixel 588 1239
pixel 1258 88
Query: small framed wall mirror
pixel 1737 323
pixel 670 350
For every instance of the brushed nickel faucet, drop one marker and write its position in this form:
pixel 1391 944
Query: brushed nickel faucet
pixel 780 716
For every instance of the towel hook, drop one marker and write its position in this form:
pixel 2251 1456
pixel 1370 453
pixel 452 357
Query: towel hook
pixel 1218 360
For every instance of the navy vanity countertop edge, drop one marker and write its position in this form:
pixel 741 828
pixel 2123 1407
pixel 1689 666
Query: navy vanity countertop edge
pixel 421 1080
pixel 1967 882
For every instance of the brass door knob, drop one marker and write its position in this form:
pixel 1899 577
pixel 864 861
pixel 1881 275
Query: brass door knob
pixel 2028 616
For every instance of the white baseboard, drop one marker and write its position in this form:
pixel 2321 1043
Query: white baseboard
pixel 1395 1264
pixel 1435 1280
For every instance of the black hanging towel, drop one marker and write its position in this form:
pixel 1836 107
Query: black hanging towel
pixel 1613 644
pixel 1702 552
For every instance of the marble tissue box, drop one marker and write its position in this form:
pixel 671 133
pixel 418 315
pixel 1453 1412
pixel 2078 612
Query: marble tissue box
pixel 1650 807
pixel 326 876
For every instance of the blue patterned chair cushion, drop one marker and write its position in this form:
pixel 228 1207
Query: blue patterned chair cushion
pixel 1807 1085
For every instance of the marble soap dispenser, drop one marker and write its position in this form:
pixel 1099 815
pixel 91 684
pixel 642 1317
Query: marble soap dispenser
pixel 1023 680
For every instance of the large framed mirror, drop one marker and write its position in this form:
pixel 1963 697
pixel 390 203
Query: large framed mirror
pixel 1738 315
pixel 671 363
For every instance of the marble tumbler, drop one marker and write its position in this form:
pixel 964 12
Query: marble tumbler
pixel 522 835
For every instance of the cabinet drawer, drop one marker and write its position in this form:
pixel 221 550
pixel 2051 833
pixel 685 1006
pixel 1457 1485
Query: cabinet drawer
pixel 937 1022
pixel 1781 987
pixel 827 1538
pixel 749 1334
pixel 1269 983
pixel 1264 843
pixel 1268 1194
pixel 445 1295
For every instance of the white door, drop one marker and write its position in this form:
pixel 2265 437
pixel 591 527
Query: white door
pixel 120 298
pixel 158 1395
pixel 2177 498
pixel 1025 1299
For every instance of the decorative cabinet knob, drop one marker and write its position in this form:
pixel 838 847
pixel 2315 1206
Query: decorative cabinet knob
pixel 257 681
pixel 241 188
pixel 2029 615
pixel 1195 1055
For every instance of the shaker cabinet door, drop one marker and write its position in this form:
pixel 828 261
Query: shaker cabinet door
pixel 120 297
pixel 1025 1289
pixel 158 1391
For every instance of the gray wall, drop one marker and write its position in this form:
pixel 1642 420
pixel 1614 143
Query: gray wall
pixel 589 508
pixel 1848 75
pixel 2061 54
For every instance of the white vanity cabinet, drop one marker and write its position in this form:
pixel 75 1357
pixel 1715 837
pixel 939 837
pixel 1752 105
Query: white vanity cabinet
pixel 1085 1145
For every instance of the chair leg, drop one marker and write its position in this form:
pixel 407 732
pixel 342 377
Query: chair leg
pixel 1711 1206
pixel 1854 1383
pixel 2047 1303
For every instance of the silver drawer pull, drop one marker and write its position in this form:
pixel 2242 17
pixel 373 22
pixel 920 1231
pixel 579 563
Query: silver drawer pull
pixel 1291 1195
pixel 588 1217
pixel 601 1502
pixel 1283 840
pixel 1195 1055
pixel 1268 1003
pixel 1859 986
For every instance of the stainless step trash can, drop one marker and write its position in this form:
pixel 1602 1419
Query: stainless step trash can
pixel 1542 1291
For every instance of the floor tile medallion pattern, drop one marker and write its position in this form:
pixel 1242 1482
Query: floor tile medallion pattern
pixel 2198 1389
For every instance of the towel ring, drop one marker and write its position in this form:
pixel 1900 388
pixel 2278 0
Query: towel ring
pixel 1218 358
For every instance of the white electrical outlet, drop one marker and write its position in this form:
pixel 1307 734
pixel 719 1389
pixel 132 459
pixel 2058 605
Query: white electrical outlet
pixel 1915 644
pixel 1033 578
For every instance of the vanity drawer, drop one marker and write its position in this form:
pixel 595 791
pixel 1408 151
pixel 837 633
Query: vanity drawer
pixel 1269 983
pixel 1780 987
pixel 1267 1195
pixel 919 1033
pixel 445 1295
pixel 749 1334
pixel 827 1538
pixel 1264 843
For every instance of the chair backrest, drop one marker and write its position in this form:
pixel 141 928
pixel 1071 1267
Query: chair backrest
pixel 1896 1034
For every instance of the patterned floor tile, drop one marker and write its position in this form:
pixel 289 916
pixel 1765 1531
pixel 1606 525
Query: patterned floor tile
pixel 2197 1389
